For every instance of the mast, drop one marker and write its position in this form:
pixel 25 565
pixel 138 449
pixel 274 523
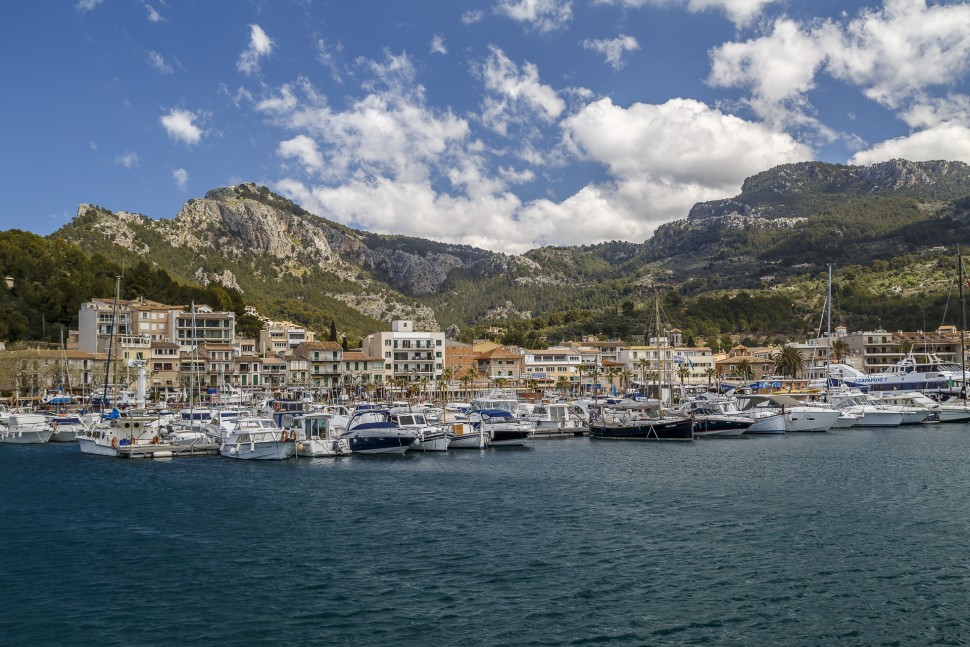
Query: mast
pixel 111 339
pixel 963 325
pixel 828 345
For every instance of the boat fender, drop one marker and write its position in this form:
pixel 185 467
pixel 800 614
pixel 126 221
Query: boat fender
pixel 114 443
pixel 154 440
pixel 276 406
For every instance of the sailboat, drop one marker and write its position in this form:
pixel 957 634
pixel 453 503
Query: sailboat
pixel 115 433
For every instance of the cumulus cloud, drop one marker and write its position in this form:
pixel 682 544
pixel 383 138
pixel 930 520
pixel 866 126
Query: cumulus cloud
pixel 894 55
pixel 438 45
pixel 613 49
pixel 128 159
pixel 153 15
pixel 304 149
pixel 947 141
pixel 157 61
pixel 260 46
pixel 180 126
pixel 84 6
pixel 664 158
pixel 515 94
pixel 740 12
pixel 181 177
pixel 540 15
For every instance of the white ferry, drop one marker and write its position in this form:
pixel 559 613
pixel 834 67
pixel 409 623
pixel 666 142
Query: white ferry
pixel 924 373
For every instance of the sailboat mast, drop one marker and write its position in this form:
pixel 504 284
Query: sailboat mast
pixel 828 345
pixel 963 325
pixel 111 339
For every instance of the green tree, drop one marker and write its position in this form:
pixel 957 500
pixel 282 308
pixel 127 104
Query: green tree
pixel 789 362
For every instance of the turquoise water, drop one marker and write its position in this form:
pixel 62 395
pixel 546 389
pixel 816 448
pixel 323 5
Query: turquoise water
pixel 855 537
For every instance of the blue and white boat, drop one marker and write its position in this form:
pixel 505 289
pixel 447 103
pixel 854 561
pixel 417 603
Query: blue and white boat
pixel 502 428
pixel 371 431
pixel 924 373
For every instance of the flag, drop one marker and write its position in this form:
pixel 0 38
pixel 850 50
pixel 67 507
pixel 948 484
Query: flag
pixel 691 364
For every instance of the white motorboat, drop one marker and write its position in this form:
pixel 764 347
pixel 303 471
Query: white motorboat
pixel 317 437
pixel 112 434
pixel 66 427
pixel 870 413
pixel 799 416
pixel 431 438
pixel 258 439
pixel 949 411
pixel 464 435
pixel 558 418
pixel 26 428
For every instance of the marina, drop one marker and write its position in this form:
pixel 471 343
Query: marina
pixel 792 539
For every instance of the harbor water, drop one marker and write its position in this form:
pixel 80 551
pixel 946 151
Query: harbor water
pixel 853 537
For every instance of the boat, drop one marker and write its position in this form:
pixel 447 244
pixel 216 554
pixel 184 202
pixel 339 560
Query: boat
pixel 925 373
pixel 949 411
pixel 799 416
pixel 711 420
pixel 26 428
pixel 502 427
pixel 66 427
pixel 258 439
pixel 558 418
pixel 114 434
pixel 317 437
pixel 640 421
pixel 371 431
pixel 869 412
pixel 465 435
pixel 431 438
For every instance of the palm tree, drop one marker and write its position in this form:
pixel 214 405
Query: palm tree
pixel 906 346
pixel 533 384
pixel 743 369
pixel 613 372
pixel 643 364
pixel 562 384
pixel 683 373
pixel 710 372
pixel 626 374
pixel 500 383
pixel 840 348
pixel 466 380
pixel 789 362
pixel 473 374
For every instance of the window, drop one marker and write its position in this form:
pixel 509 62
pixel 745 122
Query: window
pixel 387 355
pixel 387 342
pixel 437 342
pixel 438 354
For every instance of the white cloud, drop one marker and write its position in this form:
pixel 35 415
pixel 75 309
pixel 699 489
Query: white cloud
pixel 260 46
pixel 541 15
pixel 438 45
pixel 304 149
pixel 157 61
pixel 613 49
pixel 180 126
pixel 895 56
pixel 153 15
pixel 906 47
pixel 327 55
pixel 941 142
pixel 664 158
pixel 181 177
pixel 516 95
pixel 472 16
pixel 128 159
pixel 84 6
pixel 740 12
pixel 934 111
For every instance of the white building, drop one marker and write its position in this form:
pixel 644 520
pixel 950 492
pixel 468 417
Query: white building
pixel 407 353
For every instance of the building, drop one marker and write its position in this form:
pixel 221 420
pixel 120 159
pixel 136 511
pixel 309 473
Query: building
pixel 363 376
pixel 323 363
pixel 409 355
pixel 203 326
pixel 281 337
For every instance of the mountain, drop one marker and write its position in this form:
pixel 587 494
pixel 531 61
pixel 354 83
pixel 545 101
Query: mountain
pixel 787 222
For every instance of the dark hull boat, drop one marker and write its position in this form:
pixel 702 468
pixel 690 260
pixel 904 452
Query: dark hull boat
pixel 670 429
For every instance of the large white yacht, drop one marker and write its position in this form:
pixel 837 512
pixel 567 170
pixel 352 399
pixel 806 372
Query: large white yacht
pixel 926 373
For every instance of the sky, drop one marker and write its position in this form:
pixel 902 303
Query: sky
pixel 503 124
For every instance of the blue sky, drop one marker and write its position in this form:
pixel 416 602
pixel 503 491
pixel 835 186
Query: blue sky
pixel 505 124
